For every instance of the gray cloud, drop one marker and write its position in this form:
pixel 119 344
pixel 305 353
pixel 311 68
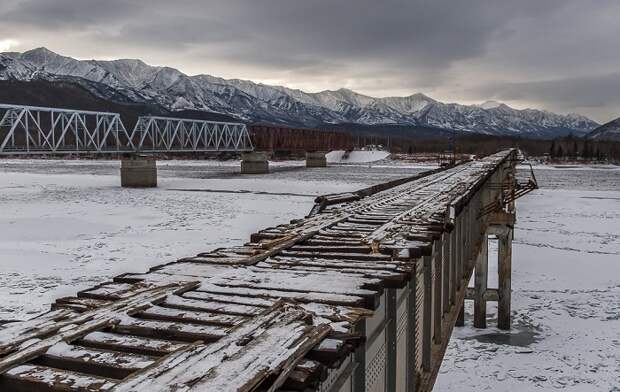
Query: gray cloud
pixel 597 93
pixel 455 50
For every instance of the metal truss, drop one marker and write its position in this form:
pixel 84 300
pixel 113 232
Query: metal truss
pixel 166 134
pixel 40 130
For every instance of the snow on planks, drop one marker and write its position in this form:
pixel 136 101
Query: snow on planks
pixel 273 313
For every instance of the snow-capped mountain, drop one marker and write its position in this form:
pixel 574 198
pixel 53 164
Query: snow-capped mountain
pixel 136 81
pixel 607 131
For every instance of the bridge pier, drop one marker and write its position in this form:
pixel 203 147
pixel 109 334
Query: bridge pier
pixel 316 159
pixel 480 285
pixel 254 163
pixel 504 287
pixel 138 172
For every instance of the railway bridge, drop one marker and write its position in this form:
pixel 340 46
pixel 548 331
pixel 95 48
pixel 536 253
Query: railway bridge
pixel 360 295
pixel 31 130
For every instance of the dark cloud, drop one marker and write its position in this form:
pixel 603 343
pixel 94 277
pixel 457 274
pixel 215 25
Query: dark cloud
pixel 381 47
pixel 598 92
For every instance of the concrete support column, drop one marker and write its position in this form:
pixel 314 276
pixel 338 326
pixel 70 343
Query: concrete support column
pixel 254 163
pixel 480 285
pixel 316 159
pixel 139 172
pixel 504 287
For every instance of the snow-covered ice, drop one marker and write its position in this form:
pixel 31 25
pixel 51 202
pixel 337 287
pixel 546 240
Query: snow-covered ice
pixel 66 225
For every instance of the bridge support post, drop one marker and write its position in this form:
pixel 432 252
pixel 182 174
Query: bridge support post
pixel 427 322
pixel 504 287
pixel 138 172
pixel 480 285
pixel 460 320
pixel 254 163
pixel 316 159
pixel 445 265
pixel 437 281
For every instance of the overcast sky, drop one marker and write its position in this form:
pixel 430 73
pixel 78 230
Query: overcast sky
pixel 560 55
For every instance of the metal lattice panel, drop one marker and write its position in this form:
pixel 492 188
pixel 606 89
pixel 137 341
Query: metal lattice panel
pixel 375 371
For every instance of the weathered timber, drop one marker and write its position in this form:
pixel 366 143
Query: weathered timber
pixel 317 303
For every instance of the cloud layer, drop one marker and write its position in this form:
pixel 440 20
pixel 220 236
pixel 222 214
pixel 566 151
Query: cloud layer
pixel 557 54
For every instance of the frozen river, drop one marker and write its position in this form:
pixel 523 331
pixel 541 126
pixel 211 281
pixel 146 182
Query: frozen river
pixel 66 225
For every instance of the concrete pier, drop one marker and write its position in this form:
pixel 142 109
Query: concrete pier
pixel 254 163
pixel 138 172
pixel 316 159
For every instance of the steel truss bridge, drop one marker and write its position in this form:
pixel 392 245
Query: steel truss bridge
pixel 42 130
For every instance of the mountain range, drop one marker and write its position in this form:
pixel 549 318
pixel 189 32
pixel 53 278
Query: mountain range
pixel 135 82
pixel 607 131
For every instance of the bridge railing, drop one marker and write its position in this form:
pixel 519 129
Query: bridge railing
pixel 42 130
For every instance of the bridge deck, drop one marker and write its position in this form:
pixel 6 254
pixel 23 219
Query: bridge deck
pixel 290 310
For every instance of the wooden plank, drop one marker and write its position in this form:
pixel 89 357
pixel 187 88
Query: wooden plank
pixel 304 297
pixel 32 344
pixel 199 300
pixel 32 378
pixel 78 304
pixel 342 248
pixel 191 316
pixel 108 291
pixel 338 255
pixel 102 363
pixel 237 300
pixel 130 343
pixel 273 344
pixel 168 329
pixel 392 265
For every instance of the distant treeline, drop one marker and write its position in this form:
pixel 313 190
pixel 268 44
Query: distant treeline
pixel 566 148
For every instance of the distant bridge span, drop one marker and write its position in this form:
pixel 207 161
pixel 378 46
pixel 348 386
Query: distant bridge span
pixel 42 130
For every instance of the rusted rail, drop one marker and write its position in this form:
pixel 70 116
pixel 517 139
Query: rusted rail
pixel 360 296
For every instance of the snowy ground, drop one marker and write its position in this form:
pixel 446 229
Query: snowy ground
pixel 66 225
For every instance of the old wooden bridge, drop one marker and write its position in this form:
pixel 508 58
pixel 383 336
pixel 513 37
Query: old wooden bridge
pixel 361 295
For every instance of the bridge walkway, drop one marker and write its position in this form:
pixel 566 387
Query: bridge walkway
pixel 361 295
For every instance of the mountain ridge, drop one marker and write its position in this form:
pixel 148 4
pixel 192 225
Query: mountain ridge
pixel 257 102
pixel 608 131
